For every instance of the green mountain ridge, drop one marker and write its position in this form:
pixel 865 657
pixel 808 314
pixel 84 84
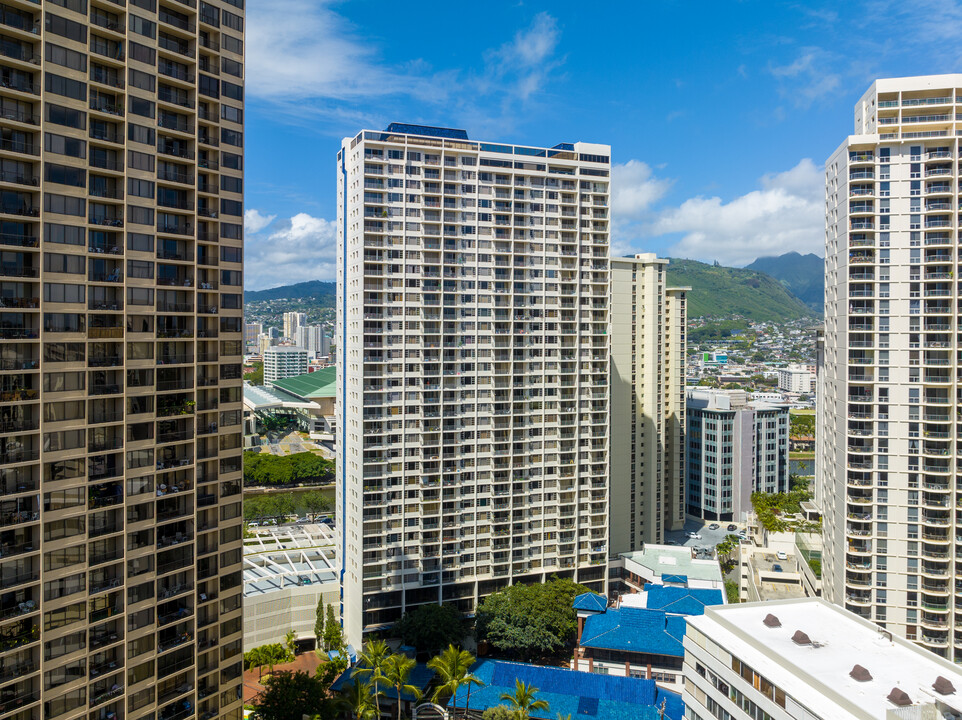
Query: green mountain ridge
pixel 324 293
pixel 803 275
pixel 721 292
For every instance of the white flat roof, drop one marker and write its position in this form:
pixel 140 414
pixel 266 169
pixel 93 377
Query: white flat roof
pixel 818 677
pixel 674 560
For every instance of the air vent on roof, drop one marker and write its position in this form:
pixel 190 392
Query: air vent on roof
pixel 861 674
pixel 772 621
pixel 800 638
pixel 943 686
pixel 899 697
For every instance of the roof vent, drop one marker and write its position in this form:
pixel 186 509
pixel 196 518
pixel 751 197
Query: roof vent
pixel 772 621
pixel 899 697
pixel 861 674
pixel 800 638
pixel 943 686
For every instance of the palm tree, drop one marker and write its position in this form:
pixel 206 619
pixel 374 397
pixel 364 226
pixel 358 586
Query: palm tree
pixel 523 700
pixel 397 670
pixel 359 699
pixel 371 661
pixel 453 667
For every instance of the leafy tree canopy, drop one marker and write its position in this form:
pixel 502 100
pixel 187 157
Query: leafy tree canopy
pixel 290 695
pixel 530 621
pixel 304 467
pixel 432 627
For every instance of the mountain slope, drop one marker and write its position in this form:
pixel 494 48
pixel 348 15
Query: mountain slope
pixel 323 293
pixel 721 292
pixel 803 275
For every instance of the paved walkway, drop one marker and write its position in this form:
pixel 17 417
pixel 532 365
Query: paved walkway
pixel 307 662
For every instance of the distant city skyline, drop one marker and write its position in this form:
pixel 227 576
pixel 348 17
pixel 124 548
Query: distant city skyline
pixel 720 116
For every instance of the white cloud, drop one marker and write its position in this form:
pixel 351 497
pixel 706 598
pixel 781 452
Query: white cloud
pixel 810 77
pixel 254 222
pixel 634 189
pixel 529 58
pixel 301 248
pixel 786 214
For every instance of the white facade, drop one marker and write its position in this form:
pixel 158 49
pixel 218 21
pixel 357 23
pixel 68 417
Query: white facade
pixel 796 379
pixel 251 332
pixel 886 427
pixel 647 403
pixel 473 368
pixel 314 339
pixel 804 660
pixel 283 361
pixel 735 447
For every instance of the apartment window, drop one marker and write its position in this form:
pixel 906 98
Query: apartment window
pixel 208 86
pixel 62 293
pixel 142 26
pixel 65 175
pixel 228 112
pixel 60 263
pixel 142 53
pixel 62 145
pixel 231 254
pixel 140 215
pixel 231 137
pixel 59 85
pixel 69 117
pixel 66 28
pixel 232 21
pixel 141 106
pixel 79 6
pixel 232 44
pixel 140 188
pixel 63 204
pixel 232 161
pixel 63 234
pixel 209 14
pixel 67 58
pixel 71 584
pixel 231 207
pixel 233 91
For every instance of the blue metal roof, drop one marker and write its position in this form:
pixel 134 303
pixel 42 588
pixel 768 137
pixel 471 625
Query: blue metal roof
pixel 580 694
pixel 682 600
pixel 639 630
pixel 427 130
pixel 590 601
pixel 420 678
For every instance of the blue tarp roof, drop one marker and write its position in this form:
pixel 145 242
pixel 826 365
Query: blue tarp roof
pixel 590 601
pixel 580 694
pixel 638 630
pixel 420 678
pixel 682 601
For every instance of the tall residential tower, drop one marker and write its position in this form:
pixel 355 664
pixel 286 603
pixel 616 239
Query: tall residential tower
pixel 648 323
pixel 472 366
pixel 889 386
pixel 121 136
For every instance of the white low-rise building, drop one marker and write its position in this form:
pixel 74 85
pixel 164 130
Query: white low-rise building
pixel 796 378
pixel 809 660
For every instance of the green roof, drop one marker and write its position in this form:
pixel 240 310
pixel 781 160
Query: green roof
pixel 318 384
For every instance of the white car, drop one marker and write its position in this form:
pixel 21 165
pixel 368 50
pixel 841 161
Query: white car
pixel 781 555
pixel 693 535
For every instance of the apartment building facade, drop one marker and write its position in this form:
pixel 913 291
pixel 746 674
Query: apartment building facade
pixel 887 457
pixel 735 447
pixel 121 136
pixel 472 368
pixel 284 361
pixel 293 321
pixel 647 403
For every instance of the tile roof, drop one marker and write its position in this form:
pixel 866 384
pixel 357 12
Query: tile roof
pixel 580 694
pixel 590 601
pixel 640 630
pixel 680 600
pixel 318 384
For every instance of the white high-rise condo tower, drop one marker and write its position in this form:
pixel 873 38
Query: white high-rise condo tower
pixel 472 353
pixel 889 385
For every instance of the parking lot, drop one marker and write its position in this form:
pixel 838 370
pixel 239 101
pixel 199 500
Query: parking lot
pixel 709 538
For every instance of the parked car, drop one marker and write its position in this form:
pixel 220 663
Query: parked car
pixel 672 542
pixel 692 535
pixel 732 528
pixel 302 520
pixel 781 555
pixel 777 568
pixel 714 526
pixel 253 524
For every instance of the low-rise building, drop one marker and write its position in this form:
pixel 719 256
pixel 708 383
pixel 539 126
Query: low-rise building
pixel 796 378
pixel 735 447
pixel 668 565
pixel 805 659
pixel 286 571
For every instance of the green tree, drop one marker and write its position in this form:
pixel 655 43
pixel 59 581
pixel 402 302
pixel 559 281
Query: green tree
pixel 732 593
pixel 328 672
pixel 289 643
pixel 256 376
pixel 498 712
pixel 453 669
pixel 523 700
pixel 333 636
pixel 371 661
pixel 431 627
pixel 290 695
pixel 530 621
pixel 360 698
pixel 255 658
pixel 316 502
pixel 319 622
pixel 397 671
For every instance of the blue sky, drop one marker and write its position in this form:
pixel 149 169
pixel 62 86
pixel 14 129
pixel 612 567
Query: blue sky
pixel 720 114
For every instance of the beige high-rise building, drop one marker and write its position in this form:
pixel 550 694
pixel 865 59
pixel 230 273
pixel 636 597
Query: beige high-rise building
pixel 647 403
pixel 472 361
pixel 293 321
pixel 889 386
pixel 121 129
